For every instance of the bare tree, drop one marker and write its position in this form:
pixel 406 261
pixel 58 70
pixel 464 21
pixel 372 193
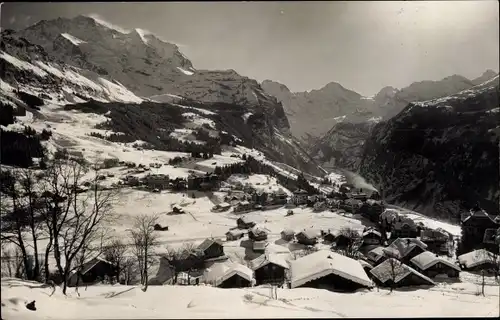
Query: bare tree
pixel 394 267
pixel 74 219
pixel 114 252
pixel 144 239
pixel 13 217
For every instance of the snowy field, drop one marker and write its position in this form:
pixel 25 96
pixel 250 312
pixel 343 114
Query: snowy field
pixel 129 302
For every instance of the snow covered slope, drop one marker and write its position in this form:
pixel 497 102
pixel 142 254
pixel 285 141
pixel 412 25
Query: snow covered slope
pixel 197 302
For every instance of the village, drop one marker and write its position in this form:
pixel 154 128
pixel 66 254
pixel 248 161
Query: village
pixel 391 250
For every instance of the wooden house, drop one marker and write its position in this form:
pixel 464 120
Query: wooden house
pixel 211 248
pixel 478 260
pixel 404 228
pixel 221 207
pixel 234 234
pixel 257 234
pixel 229 275
pixel 328 270
pixel 245 223
pixel 436 240
pixel 431 265
pixel 404 249
pixel 351 205
pixel 394 273
pixel 243 206
pixel 474 227
pixel 259 246
pixel 372 237
pixel 279 197
pixel 269 268
pixel 307 237
pixel 287 235
pixel 377 255
pixel 156 181
pixel 299 197
pixel 93 271
pixel 328 236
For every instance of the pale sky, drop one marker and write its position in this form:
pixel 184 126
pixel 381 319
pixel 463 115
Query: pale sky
pixel 364 46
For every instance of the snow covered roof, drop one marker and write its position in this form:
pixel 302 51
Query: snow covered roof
pixel 300 191
pixel 323 263
pixel 245 220
pixel 288 232
pixel 376 254
pixel 244 203
pixel 87 266
pixel 427 259
pixel 365 264
pixel 224 205
pixel 259 245
pixel 256 230
pixel 235 232
pixel 475 258
pixel 220 272
pixel 478 214
pixel 310 233
pixel 372 231
pixel 393 268
pixel 267 258
pixel 207 243
pixel 403 246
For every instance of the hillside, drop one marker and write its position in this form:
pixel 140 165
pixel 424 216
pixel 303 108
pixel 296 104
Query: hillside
pixel 44 80
pixel 439 157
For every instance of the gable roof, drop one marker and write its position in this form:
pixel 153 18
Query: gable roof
pixel 437 234
pixel 371 231
pixel 89 265
pixel 207 243
pixel 476 258
pixel 427 259
pixel 235 232
pixel 267 258
pixel 245 220
pixel 376 254
pixel 384 272
pixel 288 232
pixel 401 247
pixel 220 272
pixel 309 233
pixel 257 231
pixel 478 214
pixel 324 262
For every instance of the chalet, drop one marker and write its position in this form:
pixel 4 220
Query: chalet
pixel 377 255
pixel 359 196
pixel 307 237
pixel 405 249
pixel 299 197
pixel 269 268
pixel 328 236
pixel 187 278
pixel 245 223
pixel 280 197
pixel 211 248
pixel 346 188
pixel 436 240
pixel 372 237
pixel 257 234
pixel 394 273
pixel 179 184
pixel 243 206
pixel 156 181
pixel 221 207
pixel 474 227
pixel 431 265
pixel 234 234
pixel 93 271
pixel 351 205
pixel 342 240
pixel 404 228
pixel 477 260
pixel 259 246
pixel 372 210
pixel 287 235
pixel 229 275
pixel 329 270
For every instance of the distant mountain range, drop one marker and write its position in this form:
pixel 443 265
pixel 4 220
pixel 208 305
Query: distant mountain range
pixel 312 114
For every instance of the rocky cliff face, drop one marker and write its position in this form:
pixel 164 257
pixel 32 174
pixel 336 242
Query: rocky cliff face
pixel 68 75
pixel 343 145
pixel 439 156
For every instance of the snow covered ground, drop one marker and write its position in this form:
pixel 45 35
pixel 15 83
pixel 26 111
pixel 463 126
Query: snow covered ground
pixel 129 302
